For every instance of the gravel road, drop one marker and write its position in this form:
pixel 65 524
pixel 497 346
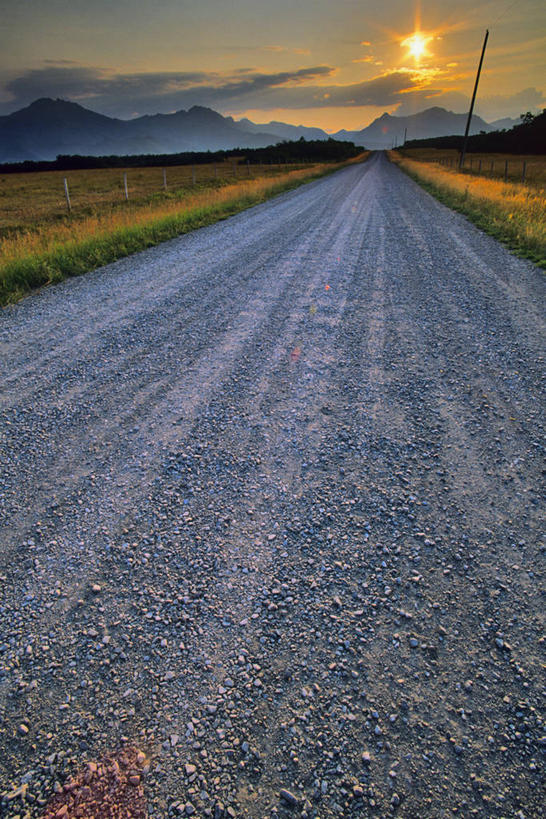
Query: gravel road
pixel 270 503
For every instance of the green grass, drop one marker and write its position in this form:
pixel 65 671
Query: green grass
pixel 517 221
pixel 50 257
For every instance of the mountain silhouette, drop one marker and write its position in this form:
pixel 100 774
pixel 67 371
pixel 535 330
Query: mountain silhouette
pixel 387 129
pixel 50 127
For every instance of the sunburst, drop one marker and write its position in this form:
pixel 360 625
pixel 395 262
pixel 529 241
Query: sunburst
pixel 417 44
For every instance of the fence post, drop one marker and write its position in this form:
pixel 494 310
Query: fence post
pixel 523 170
pixel 193 174
pixel 479 166
pixel 125 187
pixel 215 171
pixel 68 205
pixel 492 166
pixel 505 170
pixel 248 167
pixel 165 178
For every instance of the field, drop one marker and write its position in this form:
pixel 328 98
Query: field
pixel 490 165
pixel 28 200
pixel 512 211
pixel 41 243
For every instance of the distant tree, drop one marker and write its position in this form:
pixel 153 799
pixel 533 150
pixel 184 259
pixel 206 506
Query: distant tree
pixel 527 118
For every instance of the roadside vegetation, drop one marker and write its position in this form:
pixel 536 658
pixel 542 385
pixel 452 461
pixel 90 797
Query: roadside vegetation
pixel 513 212
pixel 528 137
pixel 42 244
pixel 515 167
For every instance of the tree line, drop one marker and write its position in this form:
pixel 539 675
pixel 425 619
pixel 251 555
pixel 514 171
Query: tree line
pixel 529 137
pixel 282 153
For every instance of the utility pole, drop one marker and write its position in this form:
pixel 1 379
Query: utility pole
pixel 405 135
pixel 465 141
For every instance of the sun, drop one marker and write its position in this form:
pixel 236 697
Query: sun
pixel 416 44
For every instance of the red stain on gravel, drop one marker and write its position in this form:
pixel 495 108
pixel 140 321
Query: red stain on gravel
pixel 295 354
pixel 108 789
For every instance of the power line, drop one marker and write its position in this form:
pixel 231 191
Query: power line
pixel 510 7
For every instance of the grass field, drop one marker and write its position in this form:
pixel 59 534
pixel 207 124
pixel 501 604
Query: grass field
pixel 491 166
pixel 513 212
pixel 43 244
pixel 32 199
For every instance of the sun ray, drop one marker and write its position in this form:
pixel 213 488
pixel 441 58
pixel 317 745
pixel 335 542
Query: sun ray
pixel 417 44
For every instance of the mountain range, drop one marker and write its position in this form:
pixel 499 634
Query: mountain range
pixel 50 127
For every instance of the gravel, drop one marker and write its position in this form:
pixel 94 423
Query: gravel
pixel 270 501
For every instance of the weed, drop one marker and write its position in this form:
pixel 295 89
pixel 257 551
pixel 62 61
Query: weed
pixel 515 213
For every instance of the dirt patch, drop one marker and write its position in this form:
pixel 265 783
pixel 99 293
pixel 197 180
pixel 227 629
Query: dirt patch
pixel 109 789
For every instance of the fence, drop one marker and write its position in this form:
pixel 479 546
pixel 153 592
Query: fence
pixel 510 171
pixel 45 196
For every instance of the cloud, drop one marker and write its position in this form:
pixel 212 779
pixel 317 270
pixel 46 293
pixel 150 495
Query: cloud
pixel 489 108
pixel 404 90
pixel 123 94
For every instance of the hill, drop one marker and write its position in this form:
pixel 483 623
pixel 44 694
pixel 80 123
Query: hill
pixel 529 137
pixel 49 127
pixel 387 130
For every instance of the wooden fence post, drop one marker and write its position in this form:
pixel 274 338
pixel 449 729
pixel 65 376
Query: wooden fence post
pixel 492 166
pixel 68 205
pixel 125 187
pixel 479 166
pixel 165 178
pixel 523 170
pixel 506 170
pixel 193 174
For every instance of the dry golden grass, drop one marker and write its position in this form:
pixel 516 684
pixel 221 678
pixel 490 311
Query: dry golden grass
pixel 41 238
pixel 489 165
pixel 30 199
pixel 48 250
pixel 511 211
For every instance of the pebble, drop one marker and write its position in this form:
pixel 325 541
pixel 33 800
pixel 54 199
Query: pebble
pixel 288 797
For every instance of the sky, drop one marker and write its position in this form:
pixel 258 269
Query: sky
pixel 328 63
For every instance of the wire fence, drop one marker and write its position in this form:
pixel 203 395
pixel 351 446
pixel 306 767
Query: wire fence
pixel 515 171
pixel 28 199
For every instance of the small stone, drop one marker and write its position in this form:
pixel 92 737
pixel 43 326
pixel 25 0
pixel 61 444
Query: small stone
pixel 190 769
pixel 413 642
pixel 96 589
pixel 366 758
pixel 134 779
pixel 189 809
pixel 23 729
pixel 288 797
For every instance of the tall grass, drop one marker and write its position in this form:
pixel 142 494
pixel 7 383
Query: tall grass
pixel 514 213
pixel 490 165
pixel 49 253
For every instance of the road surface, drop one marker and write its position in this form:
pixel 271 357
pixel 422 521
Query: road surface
pixel 270 503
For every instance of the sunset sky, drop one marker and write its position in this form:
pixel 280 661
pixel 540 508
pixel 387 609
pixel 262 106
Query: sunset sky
pixel 312 62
